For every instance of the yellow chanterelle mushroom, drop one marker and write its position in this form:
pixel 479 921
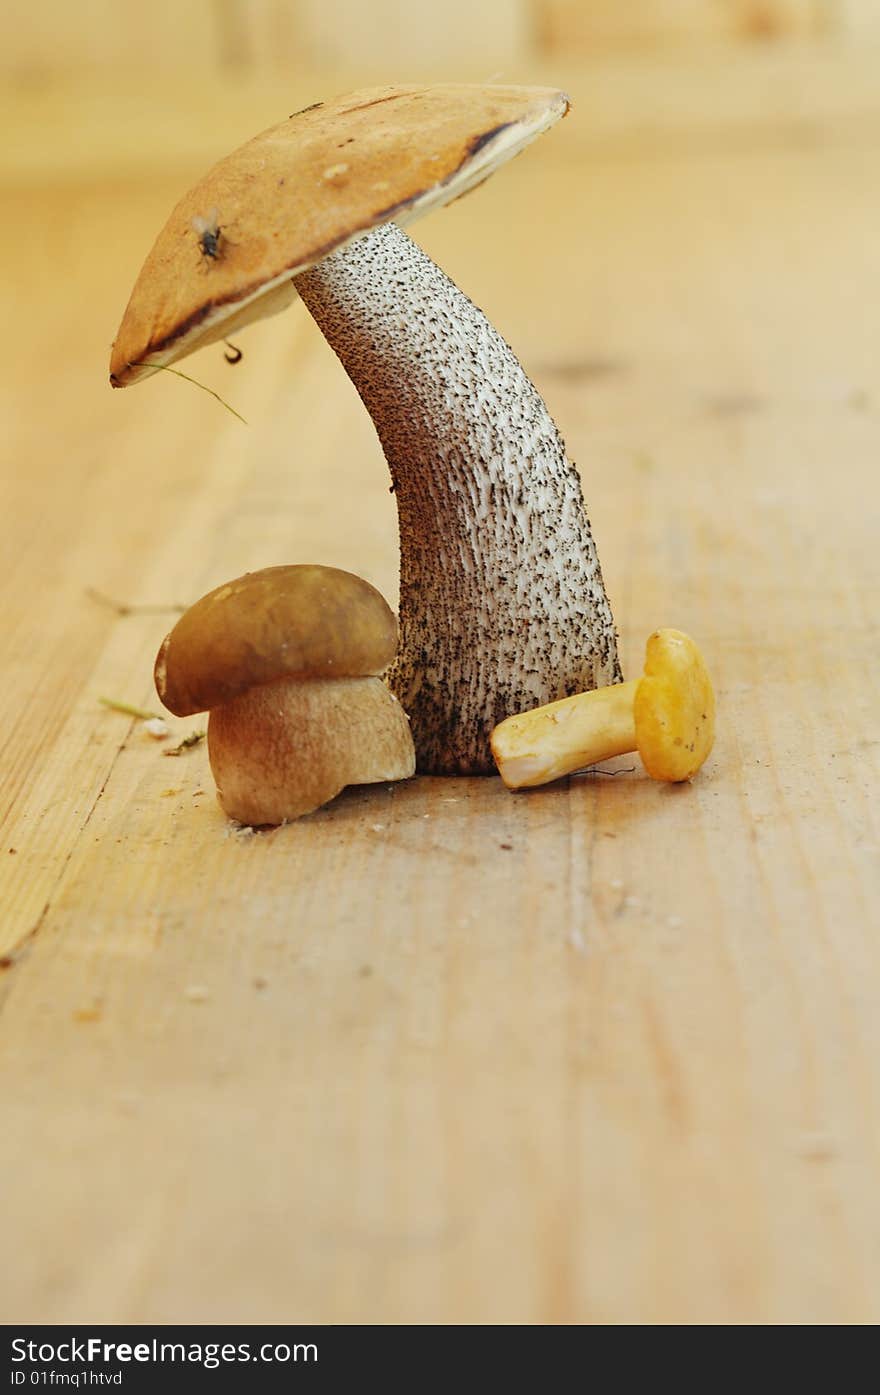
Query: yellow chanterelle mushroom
pixel 667 715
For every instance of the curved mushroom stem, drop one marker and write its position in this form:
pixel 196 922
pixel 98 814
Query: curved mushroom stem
pixel 502 605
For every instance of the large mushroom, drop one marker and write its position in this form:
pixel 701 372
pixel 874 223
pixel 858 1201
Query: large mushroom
pixel 502 604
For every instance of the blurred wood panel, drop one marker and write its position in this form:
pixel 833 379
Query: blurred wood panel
pixel 402 37
pixel 103 35
pixel 227 35
pixel 859 18
pixel 591 25
pixel 441 35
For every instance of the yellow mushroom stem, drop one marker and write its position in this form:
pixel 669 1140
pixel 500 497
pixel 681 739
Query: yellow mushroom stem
pixel 668 716
pixel 536 747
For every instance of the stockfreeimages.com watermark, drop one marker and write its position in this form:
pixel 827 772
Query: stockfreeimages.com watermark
pixel 94 1351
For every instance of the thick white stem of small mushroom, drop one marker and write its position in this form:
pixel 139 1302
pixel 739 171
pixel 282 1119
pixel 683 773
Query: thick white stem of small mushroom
pixel 283 749
pixel 502 605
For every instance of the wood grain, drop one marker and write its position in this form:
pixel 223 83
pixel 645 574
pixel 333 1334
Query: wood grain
pixel 592 26
pixel 230 37
pixel 605 1052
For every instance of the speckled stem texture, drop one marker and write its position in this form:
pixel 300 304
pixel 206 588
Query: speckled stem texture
pixel 502 605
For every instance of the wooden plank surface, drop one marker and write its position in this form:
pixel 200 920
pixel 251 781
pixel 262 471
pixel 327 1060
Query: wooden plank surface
pixel 228 37
pixel 605 1052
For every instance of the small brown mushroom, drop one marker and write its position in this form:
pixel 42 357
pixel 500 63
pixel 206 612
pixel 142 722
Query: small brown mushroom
pixel 668 716
pixel 287 662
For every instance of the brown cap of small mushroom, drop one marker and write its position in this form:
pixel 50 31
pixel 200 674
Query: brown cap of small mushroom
pixel 282 622
pixel 286 661
pixel 667 715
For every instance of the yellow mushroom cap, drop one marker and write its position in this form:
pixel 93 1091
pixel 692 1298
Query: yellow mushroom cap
pixel 674 707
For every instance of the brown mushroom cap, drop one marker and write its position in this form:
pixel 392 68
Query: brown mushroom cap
pixel 306 187
pixel 674 707
pixel 282 622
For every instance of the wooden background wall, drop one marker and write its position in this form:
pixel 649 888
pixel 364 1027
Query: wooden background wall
pixel 204 35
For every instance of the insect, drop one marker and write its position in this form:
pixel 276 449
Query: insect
pixel 209 234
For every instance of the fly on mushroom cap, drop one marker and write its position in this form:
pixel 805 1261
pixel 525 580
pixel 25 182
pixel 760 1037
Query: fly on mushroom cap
pixel 502 602
pixel 286 660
